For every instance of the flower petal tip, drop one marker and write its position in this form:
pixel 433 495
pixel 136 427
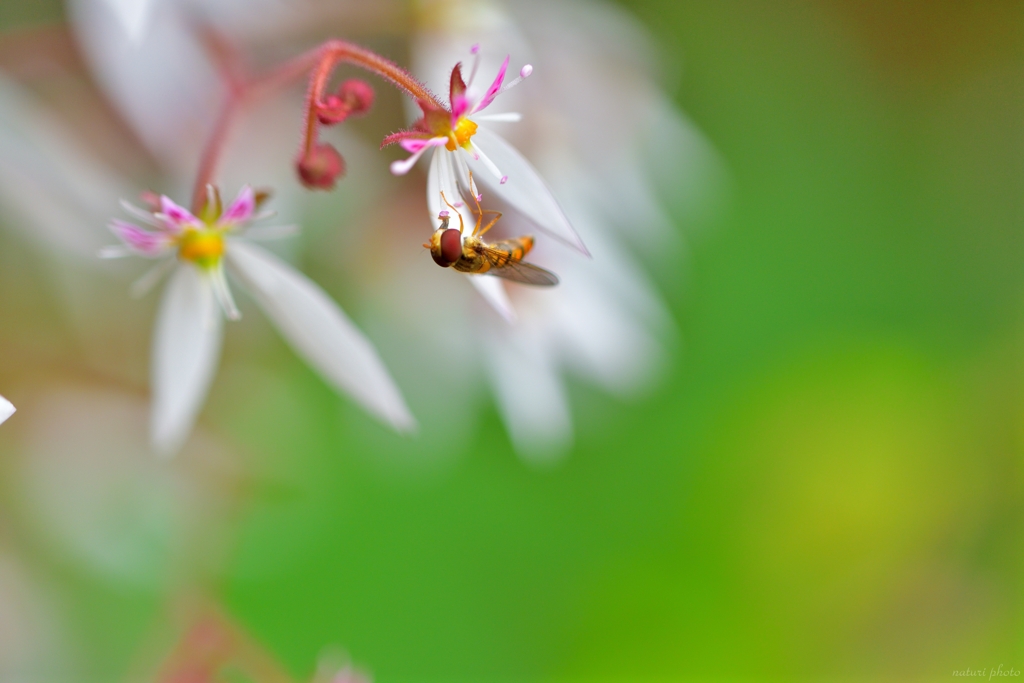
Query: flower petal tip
pixel 6 409
pixel 402 166
pixel 404 423
pixel 243 208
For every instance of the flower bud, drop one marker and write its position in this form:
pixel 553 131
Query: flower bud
pixel 357 96
pixel 320 167
pixel 331 110
pixel 354 97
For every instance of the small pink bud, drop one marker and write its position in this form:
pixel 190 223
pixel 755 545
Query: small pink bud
pixel 321 167
pixel 357 96
pixel 331 111
pixel 353 98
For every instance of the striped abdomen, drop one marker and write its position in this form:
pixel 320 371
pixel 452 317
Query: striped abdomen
pixel 480 257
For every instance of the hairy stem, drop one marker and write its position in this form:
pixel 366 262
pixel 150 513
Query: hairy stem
pixel 322 61
pixel 328 55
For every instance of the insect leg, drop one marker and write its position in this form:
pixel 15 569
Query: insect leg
pixel 445 200
pixel 480 231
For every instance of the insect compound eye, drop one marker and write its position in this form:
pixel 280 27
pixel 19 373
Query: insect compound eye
pixel 450 250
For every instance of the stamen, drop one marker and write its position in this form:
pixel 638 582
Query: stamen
pixel 475 51
pixel 457 172
pixel 268 213
pixel 150 278
pixel 223 293
pixel 490 165
pixel 472 187
pixel 524 73
pixel 114 251
pixel 271 232
pixel 141 214
pixel 463 177
pixel 510 117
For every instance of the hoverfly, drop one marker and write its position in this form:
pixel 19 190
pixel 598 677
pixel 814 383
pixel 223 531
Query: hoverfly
pixel 471 254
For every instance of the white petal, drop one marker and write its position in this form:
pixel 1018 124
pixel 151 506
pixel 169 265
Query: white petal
pixel 164 85
pixel 524 189
pixel 604 338
pixel 320 332
pixel 442 178
pixel 133 15
pixel 507 117
pixel 52 187
pixel 6 409
pixel 186 347
pixel 493 291
pixel 434 179
pixel 530 395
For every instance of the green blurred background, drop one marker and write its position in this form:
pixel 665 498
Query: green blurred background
pixel 826 486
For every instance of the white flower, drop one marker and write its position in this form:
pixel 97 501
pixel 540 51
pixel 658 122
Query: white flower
pixel 187 340
pixel 593 110
pixel 6 409
pixel 465 150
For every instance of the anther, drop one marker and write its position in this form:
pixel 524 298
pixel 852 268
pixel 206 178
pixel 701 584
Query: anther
pixel 524 73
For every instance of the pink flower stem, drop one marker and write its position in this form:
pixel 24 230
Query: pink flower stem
pixel 328 55
pixel 213 149
pixel 321 60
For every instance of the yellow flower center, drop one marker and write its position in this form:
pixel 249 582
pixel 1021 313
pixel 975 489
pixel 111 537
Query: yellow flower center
pixel 203 247
pixel 464 130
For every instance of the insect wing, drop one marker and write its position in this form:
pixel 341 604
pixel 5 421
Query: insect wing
pixel 525 273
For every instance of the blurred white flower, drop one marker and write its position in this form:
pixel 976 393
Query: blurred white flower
pixel 133 15
pixel 58 192
pixel 6 409
pixel 90 497
pixel 188 334
pixel 604 322
pixel 32 644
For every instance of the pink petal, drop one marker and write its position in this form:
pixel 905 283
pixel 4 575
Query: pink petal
pixel 138 240
pixel 460 105
pixel 457 88
pixel 242 209
pixel 495 88
pixel 403 135
pixel 416 144
pixel 403 166
pixel 176 217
